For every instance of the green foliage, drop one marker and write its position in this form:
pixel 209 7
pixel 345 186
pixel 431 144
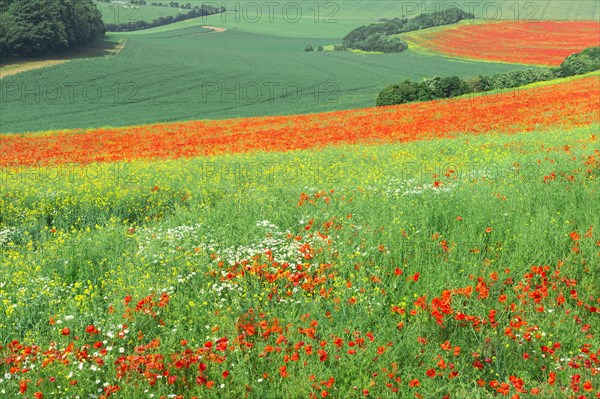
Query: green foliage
pixel 443 17
pixel 42 26
pixel 426 90
pixel 380 36
pixel 480 84
pixel 520 78
pixel 434 88
pixel 198 11
pixel 398 93
pixel 576 64
pixel 451 86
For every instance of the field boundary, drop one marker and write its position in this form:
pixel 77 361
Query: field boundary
pixel 29 64
pixel 14 69
pixel 119 47
pixel 215 29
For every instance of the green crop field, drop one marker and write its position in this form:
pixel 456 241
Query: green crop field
pixel 308 18
pixel 189 74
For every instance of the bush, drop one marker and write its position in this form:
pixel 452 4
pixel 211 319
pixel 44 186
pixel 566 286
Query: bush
pixel 446 87
pixel 453 86
pixel 480 84
pixel 404 92
pixel 381 36
pixel 43 26
pixel 577 64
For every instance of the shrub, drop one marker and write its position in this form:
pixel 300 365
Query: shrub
pixel 404 92
pixel 576 64
pixel 381 36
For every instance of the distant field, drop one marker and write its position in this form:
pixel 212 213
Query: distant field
pixel 178 75
pixel 123 13
pixel 307 18
pixel 337 18
pixel 530 43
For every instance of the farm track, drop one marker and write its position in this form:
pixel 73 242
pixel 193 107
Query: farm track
pixel 30 65
pixel 14 69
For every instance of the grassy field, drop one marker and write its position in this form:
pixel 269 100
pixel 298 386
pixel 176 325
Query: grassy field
pixel 307 18
pixel 215 76
pixel 464 267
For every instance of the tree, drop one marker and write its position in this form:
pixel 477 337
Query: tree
pixel 382 36
pixel 41 26
pixel 586 61
pixel 404 92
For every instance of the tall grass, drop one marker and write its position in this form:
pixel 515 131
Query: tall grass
pixel 447 267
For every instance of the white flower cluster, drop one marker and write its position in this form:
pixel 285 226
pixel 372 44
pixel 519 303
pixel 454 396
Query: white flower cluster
pixel 158 245
pixel 6 235
pixel 397 187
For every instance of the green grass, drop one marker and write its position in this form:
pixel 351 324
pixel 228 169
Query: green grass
pixel 75 241
pixel 180 75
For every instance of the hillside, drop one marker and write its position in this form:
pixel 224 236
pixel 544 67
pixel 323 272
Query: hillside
pixel 216 76
pixel 206 210
pixel 562 103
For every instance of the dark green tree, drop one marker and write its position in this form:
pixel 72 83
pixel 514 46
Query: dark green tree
pixel 30 27
pixel 382 36
pixel 576 64
pixel 404 92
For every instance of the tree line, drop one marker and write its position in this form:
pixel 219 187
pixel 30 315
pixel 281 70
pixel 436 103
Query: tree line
pixel 30 27
pixel 173 4
pixel 437 87
pixel 382 36
pixel 197 11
